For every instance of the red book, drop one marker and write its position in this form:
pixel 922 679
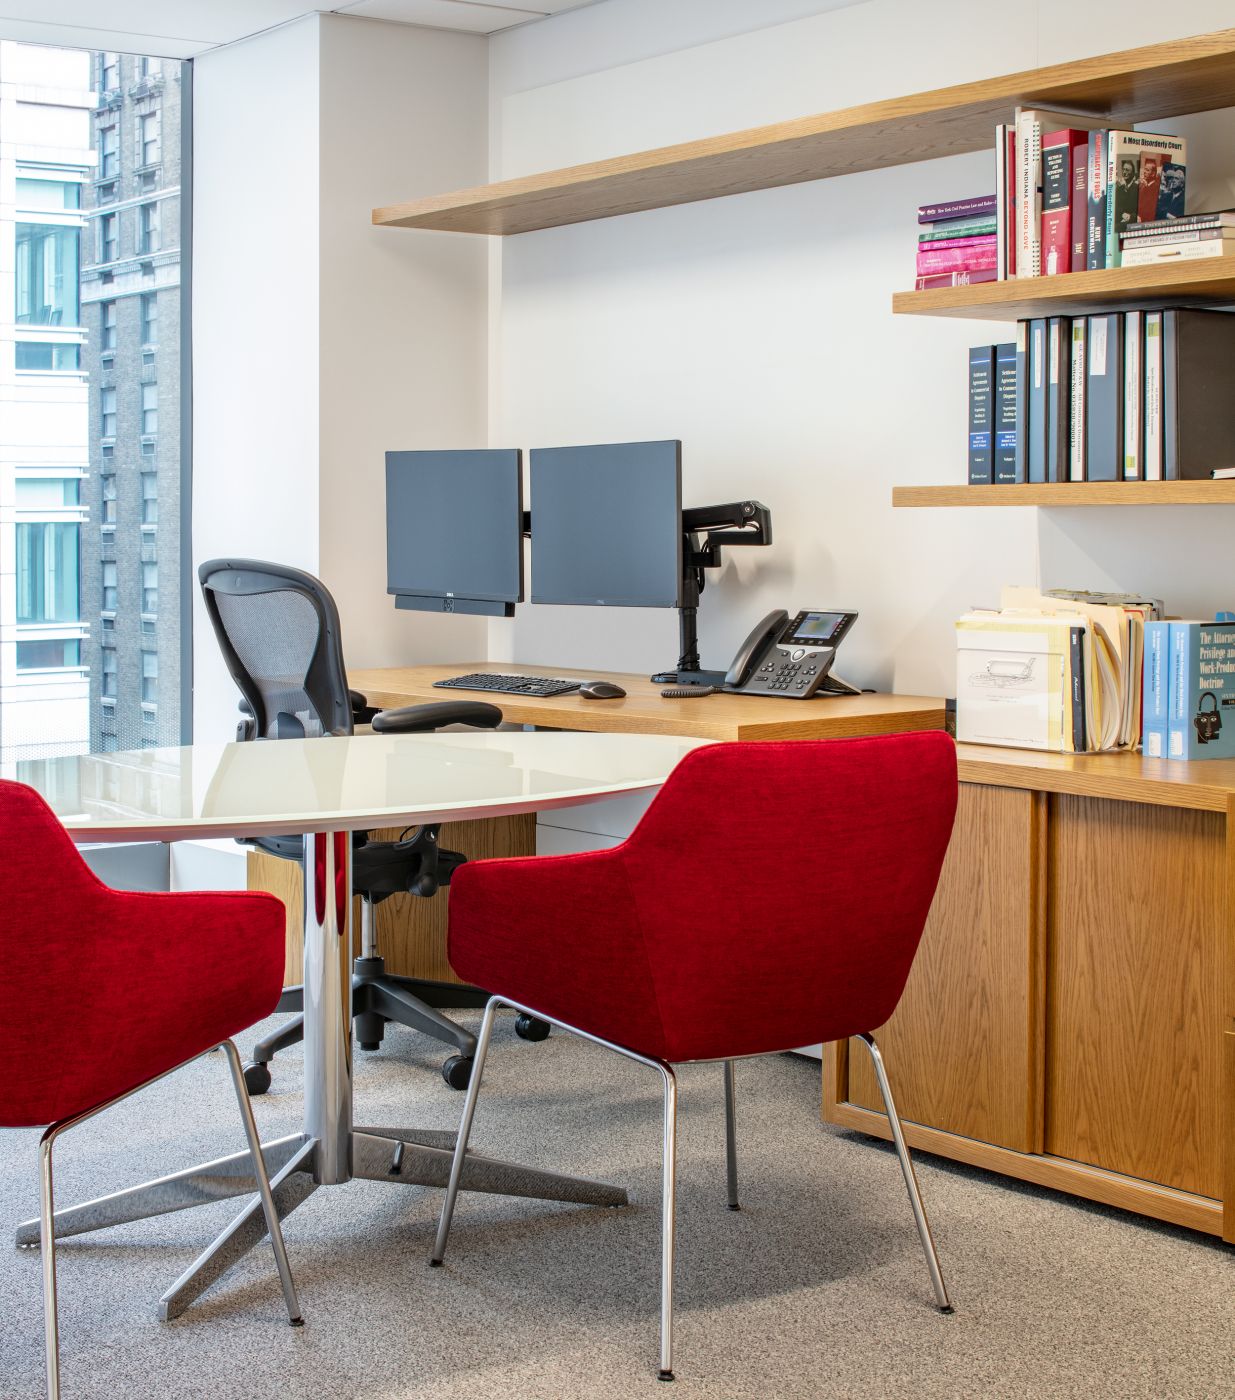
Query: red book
pixel 1080 204
pixel 1058 154
pixel 1150 183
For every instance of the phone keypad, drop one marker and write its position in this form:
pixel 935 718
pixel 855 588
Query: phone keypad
pixel 794 672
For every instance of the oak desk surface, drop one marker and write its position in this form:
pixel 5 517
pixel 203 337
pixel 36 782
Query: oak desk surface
pixel 644 711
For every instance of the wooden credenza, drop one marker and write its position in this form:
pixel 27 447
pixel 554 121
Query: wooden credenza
pixel 1069 1018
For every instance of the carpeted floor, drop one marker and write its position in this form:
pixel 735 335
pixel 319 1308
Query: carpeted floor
pixel 816 1288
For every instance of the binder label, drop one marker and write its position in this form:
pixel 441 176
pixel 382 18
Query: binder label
pixel 1097 345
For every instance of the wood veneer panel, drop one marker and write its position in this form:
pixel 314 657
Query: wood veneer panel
pixel 1134 1046
pixel 963 1046
pixel 1071 493
pixel 411 932
pixel 1181 75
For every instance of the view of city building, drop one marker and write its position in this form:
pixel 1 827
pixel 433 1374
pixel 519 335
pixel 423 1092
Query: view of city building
pixel 89 401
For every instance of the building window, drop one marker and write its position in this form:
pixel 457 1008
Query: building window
pixel 150 589
pixel 107 676
pixel 35 356
pixel 150 677
pixel 149 67
pixel 148 139
pixel 109 238
pixel 47 492
pixel 150 410
pixel 109 499
pixel 108 322
pixel 111 585
pixel 150 318
pixel 48 194
pixel 46 275
pixel 109 152
pixel 107 413
pixel 148 228
pixel 109 72
pixel 47 572
pixel 150 501
pixel 50 653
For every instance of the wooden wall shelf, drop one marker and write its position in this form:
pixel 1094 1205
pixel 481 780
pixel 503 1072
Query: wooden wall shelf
pixel 1163 80
pixel 1205 282
pixel 1072 493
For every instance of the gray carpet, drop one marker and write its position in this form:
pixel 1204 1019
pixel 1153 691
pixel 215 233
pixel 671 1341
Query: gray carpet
pixel 816 1288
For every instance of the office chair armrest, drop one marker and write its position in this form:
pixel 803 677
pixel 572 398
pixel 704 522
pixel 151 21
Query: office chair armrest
pixel 362 711
pixel 421 719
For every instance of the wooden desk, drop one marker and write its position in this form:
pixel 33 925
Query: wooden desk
pixel 1070 1017
pixel 645 711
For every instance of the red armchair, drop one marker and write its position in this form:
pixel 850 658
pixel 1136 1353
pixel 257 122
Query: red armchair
pixel 152 981
pixel 772 896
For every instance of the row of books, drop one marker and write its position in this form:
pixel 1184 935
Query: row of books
pixel 1189 690
pixel 1210 235
pixel 1060 671
pixel 956 243
pixel 1068 189
pixel 1120 395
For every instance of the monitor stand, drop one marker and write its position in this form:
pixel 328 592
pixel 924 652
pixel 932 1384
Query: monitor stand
pixel 688 671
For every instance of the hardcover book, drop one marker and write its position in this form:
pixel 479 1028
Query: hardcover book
pixel 954 279
pixel 1126 150
pixel 1022 401
pixel 1080 202
pixel 1154 689
pixel 1178 252
pixel 1095 225
pixel 957 208
pixel 1057 149
pixel 1201 690
pixel 981 414
pixel 1004 463
pixel 1104 397
pixel 1198 406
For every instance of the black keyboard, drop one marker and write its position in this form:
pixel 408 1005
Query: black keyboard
pixel 509 685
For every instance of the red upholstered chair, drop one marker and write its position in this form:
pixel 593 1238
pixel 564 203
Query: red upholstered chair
pixel 772 896
pixel 154 980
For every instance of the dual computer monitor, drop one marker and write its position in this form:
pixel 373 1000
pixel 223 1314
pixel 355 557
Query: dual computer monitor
pixel 605 526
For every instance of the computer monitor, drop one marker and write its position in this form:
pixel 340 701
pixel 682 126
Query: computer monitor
pixel 607 525
pixel 454 531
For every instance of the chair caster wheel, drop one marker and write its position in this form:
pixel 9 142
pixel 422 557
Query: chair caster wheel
pixel 457 1072
pixel 370 1045
pixel 256 1078
pixel 531 1027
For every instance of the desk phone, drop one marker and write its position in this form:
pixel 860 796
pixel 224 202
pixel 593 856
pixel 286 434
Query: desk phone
pixel 791 657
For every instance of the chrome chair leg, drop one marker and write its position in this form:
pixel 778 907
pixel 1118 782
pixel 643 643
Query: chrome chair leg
pixel 465 1132
pixel 731 1138
pixel 262 1177
pixel 668 1213
pixel 911 1181
pixel 47 1232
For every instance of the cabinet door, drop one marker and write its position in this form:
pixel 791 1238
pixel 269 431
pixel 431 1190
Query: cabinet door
pixel 963 1050
pixel 1137 919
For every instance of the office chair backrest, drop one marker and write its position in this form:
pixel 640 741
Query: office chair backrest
pixel 781 888
pixel 279 632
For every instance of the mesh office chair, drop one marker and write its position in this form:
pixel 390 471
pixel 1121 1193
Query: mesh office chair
pixel 279 632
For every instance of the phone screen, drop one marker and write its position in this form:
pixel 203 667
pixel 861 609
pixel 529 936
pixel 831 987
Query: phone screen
pixel 819 626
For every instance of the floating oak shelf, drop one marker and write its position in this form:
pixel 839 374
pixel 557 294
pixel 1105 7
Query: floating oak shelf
pixel 1205 282
pixel 1163 80
pixel 1072 493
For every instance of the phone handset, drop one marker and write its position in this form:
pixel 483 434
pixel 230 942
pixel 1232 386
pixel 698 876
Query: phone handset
pixel 748 654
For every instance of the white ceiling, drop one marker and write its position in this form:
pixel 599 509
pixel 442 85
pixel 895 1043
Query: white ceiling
pixel 184 28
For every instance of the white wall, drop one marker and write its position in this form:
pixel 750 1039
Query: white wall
pixel 758 328
pixel 320 341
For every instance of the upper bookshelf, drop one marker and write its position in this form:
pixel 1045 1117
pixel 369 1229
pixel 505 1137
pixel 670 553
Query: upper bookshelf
pixel 1163 80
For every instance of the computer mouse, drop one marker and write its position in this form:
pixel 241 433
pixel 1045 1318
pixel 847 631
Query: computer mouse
pixel 601 690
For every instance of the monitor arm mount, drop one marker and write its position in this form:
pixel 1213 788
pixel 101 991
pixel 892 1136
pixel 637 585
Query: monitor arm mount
pixel 735 523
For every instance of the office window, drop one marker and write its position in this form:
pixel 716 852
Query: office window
pixel 47 572
pixel 48 654
pixel 111 585
pixel 150 589
pixel 48 194
pixel 148 139
pixel 107 413
pixel 46 492
pixel 148 228
pixel 107 319
pixel 109 72
pixel 34 356
pixel 46 275
pixel 109 238
pixel 150 318
pixel 150 409
pixel 150 677
pixel 107 674
pixel 109 499
pixel 109 152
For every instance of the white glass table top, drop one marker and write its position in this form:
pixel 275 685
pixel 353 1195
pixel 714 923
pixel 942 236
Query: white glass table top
pixel 355 783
